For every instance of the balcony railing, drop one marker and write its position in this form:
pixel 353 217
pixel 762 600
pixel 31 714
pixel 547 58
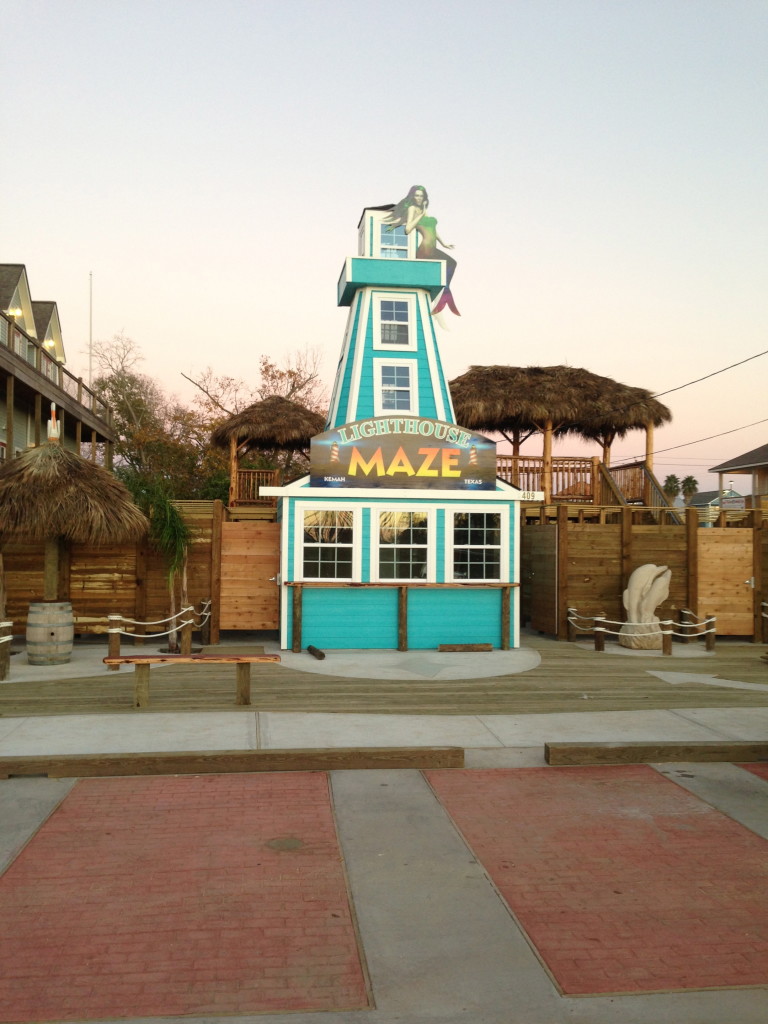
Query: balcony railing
pixel 34 352
pixel 248 484
pixel 573 479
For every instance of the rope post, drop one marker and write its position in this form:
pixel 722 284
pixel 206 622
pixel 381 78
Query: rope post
pixel 186 635
pixel 666 639
pixel 685 625
pixel 599 633
pixel 114 639
pixel 205 629
pixel 6 635
pixel 571 630
pixel 709 643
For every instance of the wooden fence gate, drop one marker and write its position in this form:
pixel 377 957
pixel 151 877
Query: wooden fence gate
pixel 726 579
pixel 250 561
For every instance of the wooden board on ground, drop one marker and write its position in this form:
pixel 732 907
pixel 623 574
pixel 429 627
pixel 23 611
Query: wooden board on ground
pixel 196 762
pixel 654 752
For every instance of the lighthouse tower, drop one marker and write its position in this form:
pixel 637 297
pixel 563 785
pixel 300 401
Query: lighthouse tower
pixel 401 536
pixel 390 361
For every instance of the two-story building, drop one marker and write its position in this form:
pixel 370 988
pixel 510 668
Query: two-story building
pixel 33 376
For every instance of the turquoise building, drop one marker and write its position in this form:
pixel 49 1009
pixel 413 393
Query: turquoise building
pixel 401 535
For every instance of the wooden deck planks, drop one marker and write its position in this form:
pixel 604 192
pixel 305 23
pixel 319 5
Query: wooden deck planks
pixel 569 679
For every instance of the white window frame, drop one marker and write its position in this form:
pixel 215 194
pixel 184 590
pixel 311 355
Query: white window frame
pixel 386 252
pixel 298 550
pixel 376 544
pixel 378 399
pixel 378 343
pixel 450 546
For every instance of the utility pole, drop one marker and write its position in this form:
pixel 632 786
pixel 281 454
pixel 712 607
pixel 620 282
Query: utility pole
pixel 90 329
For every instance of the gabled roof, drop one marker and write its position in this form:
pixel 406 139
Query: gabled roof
pixel 14 292
pixel 711 497
pixel 48 328
pixel 755 459
pixel 9 279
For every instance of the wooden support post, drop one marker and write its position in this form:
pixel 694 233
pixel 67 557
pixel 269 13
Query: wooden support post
pixel 709 642
pixel 6 632
pixel 9 412
pixel 186 635
pixel 546 468
pixel 599 634
pixel 666 640
pixel 205 628
pixel 297 603
pixel 402 618
pixel 243 683
pixel 626 546
pixel 506 605
pixel 562 572
pixel 215 619
pixel 38 420
pixel 140 597
pixel 51 570
pixel 141 686
pixel 114 640
pixel 757 580
pixel 233 466
pixel 685 625
pixel 692 559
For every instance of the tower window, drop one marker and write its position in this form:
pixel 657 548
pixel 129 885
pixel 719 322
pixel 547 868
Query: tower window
pixel 393 243
pixel 394 322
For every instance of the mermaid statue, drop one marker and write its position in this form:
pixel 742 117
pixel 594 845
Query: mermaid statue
pixel 412 213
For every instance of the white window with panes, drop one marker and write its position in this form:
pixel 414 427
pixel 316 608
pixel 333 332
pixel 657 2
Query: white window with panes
pixel 396 386
pixel 393 242
pixel 326 543
pixel 474 545
pixel 394 324
pixel 403 547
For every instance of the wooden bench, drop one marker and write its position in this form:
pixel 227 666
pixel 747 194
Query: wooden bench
pixel 142 663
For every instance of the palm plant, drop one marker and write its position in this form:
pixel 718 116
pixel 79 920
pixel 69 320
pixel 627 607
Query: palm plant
pixel 168 534
pixel 671 487
pixel 689 486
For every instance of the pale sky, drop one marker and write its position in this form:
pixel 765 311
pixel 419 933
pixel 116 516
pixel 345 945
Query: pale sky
pixel 600 166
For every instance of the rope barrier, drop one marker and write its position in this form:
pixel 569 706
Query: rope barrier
pixel 156 622
pixel 151 636
pixel 702 627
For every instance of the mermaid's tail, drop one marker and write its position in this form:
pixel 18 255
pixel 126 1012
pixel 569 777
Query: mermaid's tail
pixel 446 299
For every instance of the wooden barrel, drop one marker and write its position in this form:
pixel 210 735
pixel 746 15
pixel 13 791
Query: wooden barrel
pixel 50 631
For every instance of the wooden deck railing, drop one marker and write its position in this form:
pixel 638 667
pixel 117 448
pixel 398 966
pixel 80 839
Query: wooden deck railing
pixel 248 484
pixel 573 479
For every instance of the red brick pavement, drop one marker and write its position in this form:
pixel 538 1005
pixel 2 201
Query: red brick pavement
pixel 162 896
pixel 759 768
pixel 623 881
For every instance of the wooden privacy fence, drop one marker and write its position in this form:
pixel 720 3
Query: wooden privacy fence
pixel 129 580
pixel 719 571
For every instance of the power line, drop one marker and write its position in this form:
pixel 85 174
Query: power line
pixel 700 440
pixel 716 372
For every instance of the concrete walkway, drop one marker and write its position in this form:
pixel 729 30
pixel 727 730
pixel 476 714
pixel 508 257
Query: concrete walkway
pixel 440 935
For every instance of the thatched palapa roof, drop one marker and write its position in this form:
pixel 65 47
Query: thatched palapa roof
pixel 573 400
pixel 275 422
pixel 50 492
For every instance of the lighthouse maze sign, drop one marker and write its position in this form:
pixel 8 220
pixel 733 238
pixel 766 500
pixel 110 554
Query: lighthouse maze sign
pixel 403 451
